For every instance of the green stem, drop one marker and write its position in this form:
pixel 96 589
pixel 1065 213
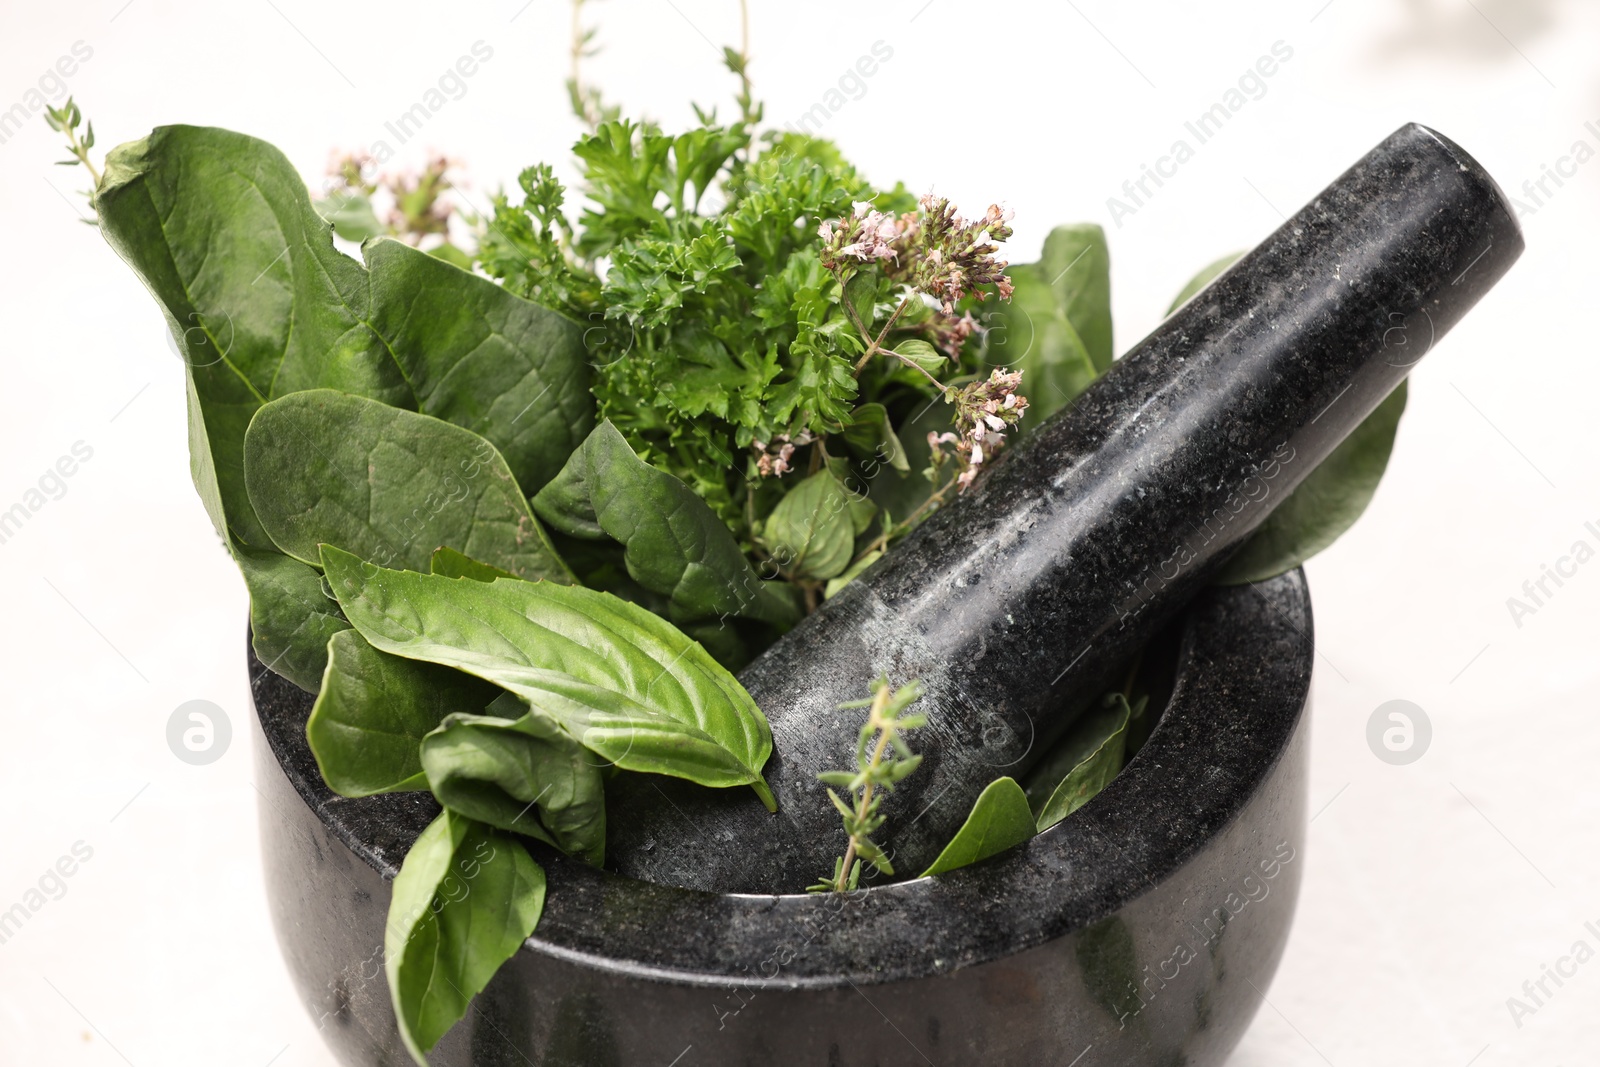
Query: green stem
pixel 880 700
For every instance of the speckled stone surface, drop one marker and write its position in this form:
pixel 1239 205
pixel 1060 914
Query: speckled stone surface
pixel 1020 602
pixel 1134 934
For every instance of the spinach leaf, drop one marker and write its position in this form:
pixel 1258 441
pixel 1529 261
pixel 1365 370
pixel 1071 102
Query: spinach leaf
pixel 478 356
pixel 1326 504
pixel 1206 276
pixel 390 484
pixel 674 544
pixel 625 683
pixel 1000 818
pixel 1082 764
pixel 291 619
pixel 811 532
pixel 520 774
pixel 466 898
pixel 221 230
pixel 373 712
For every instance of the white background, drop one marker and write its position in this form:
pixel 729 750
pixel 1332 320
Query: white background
pixel 1433 890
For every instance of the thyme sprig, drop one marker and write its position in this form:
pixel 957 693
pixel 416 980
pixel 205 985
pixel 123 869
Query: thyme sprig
pixel 882 759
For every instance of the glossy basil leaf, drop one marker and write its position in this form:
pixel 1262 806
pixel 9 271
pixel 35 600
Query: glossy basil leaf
pixel 870 436
pixel 1081 764
pixel 1206 276
pixel 624 682
pixel 1326 504
pixel 452 564
pixel 1000 818
pixel 1076 263
pixel 1032 334
pixel 389 484
pixel 466 898
pixel 811 533
pixel 373 712
pixel 859 505
pixel 674 544
pixel 221 230
pixel 524 775
pixel 290 618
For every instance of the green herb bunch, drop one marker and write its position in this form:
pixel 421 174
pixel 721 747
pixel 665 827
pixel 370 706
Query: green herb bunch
pixel 515 514
pixel 882 759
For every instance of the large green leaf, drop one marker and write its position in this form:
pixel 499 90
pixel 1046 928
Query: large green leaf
pixel 1000 818
pixel 1032 334
pixel 674 544
pixel 811 533
pixel 1076 263
pixel 373 712
pixel 1207 275
pixel 1326 504
pixel 466 898
pixel 624 682
pixel 522 774
pixel 291 618
pixel 221 230
pixel 870 435
pixel 1081 764
pixel 1056 328
pixel 480 357
pixel 389 484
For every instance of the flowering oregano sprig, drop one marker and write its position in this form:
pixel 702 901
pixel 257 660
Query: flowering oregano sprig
pixel 882 760
pixel 984 410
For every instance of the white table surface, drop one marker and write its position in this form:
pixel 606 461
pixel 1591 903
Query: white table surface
pixel 1432 891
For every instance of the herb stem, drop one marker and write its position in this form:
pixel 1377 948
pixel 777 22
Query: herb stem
pixel 895 529
pixel 880 700
pixel 875 344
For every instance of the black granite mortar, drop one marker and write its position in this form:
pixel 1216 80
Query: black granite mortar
pixel 1141 931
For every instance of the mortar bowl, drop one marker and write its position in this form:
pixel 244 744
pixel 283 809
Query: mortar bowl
pixel 1142 930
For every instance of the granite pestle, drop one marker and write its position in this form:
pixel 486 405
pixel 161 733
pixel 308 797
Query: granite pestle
pixel 1017 604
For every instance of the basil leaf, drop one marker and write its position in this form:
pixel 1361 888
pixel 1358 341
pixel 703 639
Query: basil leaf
pixel 375 709
pixel 811 532
pixel 861 292
pixel 466 898
pixel 1076 263
pixel 452 564
pixel 290 618
pixel 1031 333
pixel 350 215
pixel 850 575
pixel 922 354
pixel 1206 276
pixel 1326 504
pixel 1000 818
pixel 221 230
pixel 674 544
pixel 869 435
pixel 392 485
pixel 625 683
pixel 1082 764
pixel 524 775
